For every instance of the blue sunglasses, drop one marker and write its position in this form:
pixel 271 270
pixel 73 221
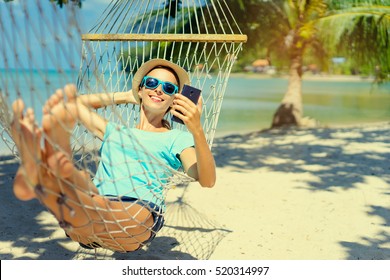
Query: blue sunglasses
pixel 152 83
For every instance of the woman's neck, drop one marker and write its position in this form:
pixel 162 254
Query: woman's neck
pixel 151 123
pixel 151 127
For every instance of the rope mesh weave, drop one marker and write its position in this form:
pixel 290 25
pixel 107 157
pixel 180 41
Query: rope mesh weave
pixel 200 36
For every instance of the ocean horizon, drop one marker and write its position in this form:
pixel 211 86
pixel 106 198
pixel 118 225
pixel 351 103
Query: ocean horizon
pixel 249 102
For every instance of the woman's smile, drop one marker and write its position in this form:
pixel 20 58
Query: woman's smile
pixel 156 98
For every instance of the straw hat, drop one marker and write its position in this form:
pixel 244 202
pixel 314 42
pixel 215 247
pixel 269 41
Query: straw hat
pixel 154 63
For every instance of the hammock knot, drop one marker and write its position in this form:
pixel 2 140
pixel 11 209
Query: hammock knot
pixel 61 201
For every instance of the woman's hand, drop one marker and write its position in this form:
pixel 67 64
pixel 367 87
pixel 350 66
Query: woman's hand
pixel 188 112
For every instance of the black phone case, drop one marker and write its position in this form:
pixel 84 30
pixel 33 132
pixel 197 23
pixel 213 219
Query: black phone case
pixel 191 93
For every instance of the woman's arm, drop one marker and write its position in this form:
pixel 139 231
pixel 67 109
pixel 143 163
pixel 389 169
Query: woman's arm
pixel 197 162
pixel 99 100
pixel 91 120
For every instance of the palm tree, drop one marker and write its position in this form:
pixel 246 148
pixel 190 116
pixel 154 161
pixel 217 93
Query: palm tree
pixel 291 29
pixel 185 23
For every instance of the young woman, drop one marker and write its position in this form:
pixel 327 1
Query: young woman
pixel 122 208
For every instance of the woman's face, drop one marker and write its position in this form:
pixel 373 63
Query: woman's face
pixel 156 99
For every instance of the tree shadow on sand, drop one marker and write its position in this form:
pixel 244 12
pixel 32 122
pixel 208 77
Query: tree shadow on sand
pixel 22 228
pixel 378 245
pixel 27 230
pixel 337 159
pixel 315 147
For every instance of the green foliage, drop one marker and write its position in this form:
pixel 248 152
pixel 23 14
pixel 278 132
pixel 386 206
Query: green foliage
pixel 285 28
pixel 187 24
pixel 356 29
pixel 64 2
pixel 172 7
pixel 61 3
pixel 360 31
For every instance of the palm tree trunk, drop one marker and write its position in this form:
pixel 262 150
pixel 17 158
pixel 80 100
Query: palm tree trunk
pixel 290 111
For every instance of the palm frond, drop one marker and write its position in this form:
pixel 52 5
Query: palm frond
pixel 361 33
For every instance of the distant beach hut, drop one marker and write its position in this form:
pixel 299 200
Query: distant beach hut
pixel 313 68
pixel 260 65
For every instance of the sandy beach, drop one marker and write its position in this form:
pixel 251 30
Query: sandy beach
pixel 306 194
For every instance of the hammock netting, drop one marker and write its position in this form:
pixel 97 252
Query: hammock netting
pixel 44 47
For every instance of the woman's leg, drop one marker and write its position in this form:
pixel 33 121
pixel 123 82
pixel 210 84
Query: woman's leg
pixel 72 197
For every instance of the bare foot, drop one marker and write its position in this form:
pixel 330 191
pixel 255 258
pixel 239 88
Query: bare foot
pixel 27 137
pixel 60 115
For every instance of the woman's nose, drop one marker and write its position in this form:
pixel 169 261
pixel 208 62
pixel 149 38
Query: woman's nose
pixel 159 89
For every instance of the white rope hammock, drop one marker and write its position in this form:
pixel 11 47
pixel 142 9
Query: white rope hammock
pixel 201 36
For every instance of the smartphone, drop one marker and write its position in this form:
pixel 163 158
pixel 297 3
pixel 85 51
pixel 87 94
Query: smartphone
pixel 191 93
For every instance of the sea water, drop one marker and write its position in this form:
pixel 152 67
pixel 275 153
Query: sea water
pixel 249 103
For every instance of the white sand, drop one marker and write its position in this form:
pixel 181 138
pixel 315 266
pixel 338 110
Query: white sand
pixel 302 194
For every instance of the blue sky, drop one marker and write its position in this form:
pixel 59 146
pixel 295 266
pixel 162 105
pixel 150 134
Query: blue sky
pixel 91 11
pixel 43 41
pixel 20 44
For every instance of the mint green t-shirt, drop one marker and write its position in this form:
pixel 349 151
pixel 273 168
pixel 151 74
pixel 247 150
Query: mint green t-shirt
pixel 134 162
